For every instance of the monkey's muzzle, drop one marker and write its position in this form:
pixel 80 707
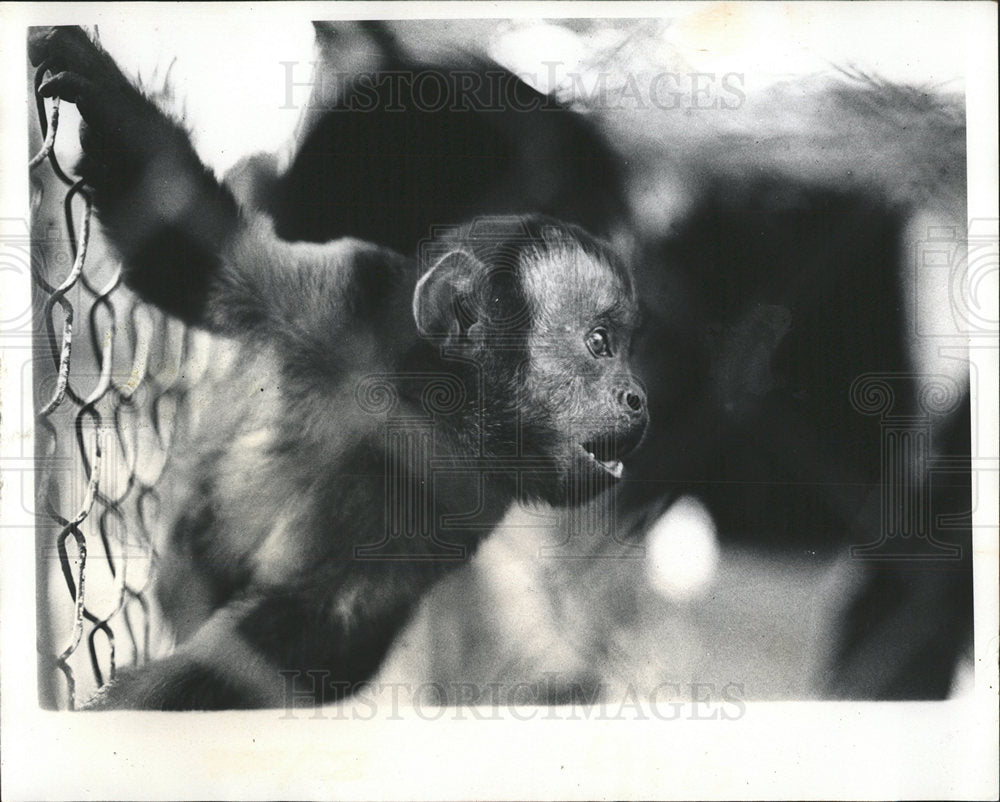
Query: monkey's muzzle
pixel 607 451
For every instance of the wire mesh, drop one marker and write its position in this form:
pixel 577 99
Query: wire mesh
pixel 106 406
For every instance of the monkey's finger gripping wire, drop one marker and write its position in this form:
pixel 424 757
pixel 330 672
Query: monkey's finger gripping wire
pixel 48 128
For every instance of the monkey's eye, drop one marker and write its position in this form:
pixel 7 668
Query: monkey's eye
pixel 598 342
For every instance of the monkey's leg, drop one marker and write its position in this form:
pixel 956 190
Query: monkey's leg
pixel 326 650
pixel 215 670
pixel 162 208
pixel 304 645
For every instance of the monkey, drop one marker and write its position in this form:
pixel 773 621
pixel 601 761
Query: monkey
pixel 734 349
pixel 386 410
pixel 778 283
pixel 781 280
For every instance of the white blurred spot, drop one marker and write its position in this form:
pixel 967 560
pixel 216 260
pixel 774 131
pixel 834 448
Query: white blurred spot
pixel 228 72
pixel 540 53
pixel 963 685
pixel 682 550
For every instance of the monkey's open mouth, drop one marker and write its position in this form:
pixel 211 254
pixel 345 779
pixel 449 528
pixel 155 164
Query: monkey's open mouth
pixel 602 453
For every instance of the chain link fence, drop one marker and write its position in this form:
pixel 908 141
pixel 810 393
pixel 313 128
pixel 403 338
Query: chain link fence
pixel 108 390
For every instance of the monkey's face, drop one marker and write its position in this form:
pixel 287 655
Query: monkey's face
pixel 584 410
pixel 546 315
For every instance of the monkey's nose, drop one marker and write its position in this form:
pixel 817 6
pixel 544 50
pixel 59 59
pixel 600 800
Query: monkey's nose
pixel 632 399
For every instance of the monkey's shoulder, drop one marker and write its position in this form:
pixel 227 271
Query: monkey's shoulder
pixel 357 280
pixel 324 305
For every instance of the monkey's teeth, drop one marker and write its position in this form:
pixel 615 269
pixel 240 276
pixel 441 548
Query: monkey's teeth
pixel 612 466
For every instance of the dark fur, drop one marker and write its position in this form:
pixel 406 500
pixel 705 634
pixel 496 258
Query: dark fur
pixel 280 560
pixel 375 164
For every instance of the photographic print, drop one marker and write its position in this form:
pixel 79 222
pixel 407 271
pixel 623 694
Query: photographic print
pixel 587 369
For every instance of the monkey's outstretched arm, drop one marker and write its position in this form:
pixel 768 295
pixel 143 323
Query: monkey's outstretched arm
pixel 186 244
pixel 162 208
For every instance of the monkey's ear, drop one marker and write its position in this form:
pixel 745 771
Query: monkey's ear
pixel 443 302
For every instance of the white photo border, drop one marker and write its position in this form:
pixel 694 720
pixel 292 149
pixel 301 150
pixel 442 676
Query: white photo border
pixel 776 750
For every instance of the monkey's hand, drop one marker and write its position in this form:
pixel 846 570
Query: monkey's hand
pixel 121 130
